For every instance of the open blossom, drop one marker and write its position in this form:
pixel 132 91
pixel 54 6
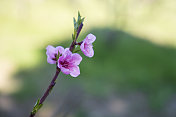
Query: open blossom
pixel 87 47
pixel 68 62
pixel 52 53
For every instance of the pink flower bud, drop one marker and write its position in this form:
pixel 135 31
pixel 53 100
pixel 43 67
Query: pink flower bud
pixel 87 47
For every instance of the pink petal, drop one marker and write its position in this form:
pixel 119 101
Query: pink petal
pixel 61 58
pixel 49 60
pixel 51 51
pixel 67 52
pixel 60 49
pixel 65 71
pixel 82 46
pixel 87 49
pixel 91 52
pixel 76 59
pixel 74 71
pixel 90 38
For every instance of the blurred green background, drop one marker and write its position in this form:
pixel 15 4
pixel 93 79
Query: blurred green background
pixel 132 73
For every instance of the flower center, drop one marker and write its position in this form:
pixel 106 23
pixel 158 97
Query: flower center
pixel 86 46
pixel 64 64
pixel 55 59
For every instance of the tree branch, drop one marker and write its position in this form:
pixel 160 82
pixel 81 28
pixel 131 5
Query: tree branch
pixel 47 92
pixel 39 103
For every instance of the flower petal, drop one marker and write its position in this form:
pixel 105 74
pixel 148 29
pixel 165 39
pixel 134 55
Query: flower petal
pixel 60 49
pixel 68 62
pixel 65 71
pixel 67 52
pixel 49 60
pixel 74 71
pixel 87 49
pixel 76 59
pixel 90 38
pixel 91 52
pixel 51 51
pixel 61 59
pixel 82 46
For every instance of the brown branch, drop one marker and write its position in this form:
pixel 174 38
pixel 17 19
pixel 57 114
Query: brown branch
pixel 50 87
pixel 53 82
pixel 74 41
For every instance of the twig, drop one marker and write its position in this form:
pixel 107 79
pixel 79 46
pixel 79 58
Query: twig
pixel 53 82
pixel 47 92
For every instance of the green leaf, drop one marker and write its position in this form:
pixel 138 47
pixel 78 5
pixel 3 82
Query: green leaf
pixel 37 106
pixel 79 19
pixel 38 101
pixel 77 25
pixel 79 16
pixel 40 106
pixel 74 22
pixel 82 20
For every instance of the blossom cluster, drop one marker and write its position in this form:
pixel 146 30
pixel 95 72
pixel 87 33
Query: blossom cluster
pixel 66 60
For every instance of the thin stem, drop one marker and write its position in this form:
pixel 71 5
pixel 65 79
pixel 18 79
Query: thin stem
pixel 79 30
pixel 74 41
pixel 47 92
pixel 52 84
pixel 79 43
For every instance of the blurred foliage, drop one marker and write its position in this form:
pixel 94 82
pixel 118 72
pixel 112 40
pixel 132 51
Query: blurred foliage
pixel 122 63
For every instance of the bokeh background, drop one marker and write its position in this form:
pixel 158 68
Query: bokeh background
pixel 133 72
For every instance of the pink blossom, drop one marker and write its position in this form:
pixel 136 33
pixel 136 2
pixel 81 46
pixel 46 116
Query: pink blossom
pixel 68 62
pixel 87 47
pixel 52 53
